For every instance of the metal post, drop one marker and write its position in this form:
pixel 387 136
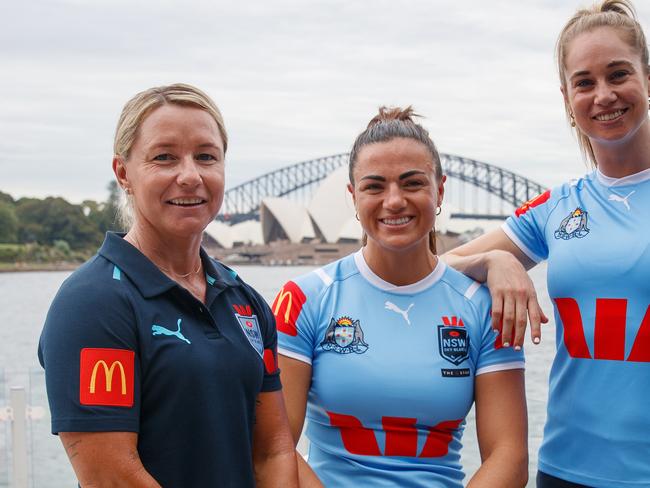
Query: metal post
pixel 17 400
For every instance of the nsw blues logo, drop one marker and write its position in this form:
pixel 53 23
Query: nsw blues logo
pixel 453 343
pixel 250 326
pixel 573 225
pixel 344 336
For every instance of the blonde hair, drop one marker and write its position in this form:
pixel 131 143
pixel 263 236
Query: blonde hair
pixel 617 14
pixel 136 111
pixel 391 123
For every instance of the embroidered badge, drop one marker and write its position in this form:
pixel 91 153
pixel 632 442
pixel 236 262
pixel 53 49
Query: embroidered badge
pixel 250 326
pixel 106 377
pixel 574 225
pixel 344 336
pixel 453 343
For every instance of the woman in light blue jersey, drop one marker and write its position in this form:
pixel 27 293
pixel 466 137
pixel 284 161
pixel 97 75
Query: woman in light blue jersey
pixel 384 351
pixel 594 232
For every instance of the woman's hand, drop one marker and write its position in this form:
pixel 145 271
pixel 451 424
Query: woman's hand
pixel 495 260
pixel 514 300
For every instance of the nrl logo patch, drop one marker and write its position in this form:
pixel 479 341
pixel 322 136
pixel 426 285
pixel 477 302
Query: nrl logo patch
pixel 453 343
pixel 573 225
pixel 344 336
pixel 251 328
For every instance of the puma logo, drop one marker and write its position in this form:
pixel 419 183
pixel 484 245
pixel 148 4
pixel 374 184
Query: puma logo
pixel 394 308
pixel 616 198
pixel 159 329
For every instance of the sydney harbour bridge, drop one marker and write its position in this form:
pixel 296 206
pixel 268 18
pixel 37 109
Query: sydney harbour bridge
pixel 475 189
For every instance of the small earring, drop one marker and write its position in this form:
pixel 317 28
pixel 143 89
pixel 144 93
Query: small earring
pixel 573 119
pixel 439 210
pixel 356 215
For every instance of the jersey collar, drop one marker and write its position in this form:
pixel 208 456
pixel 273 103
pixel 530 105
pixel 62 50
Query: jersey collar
pixel 608 181
pixel 411 289
pixel 149 280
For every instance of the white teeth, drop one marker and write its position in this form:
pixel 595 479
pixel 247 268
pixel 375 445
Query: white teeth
pixel 186 201
pixel 613 115
pixel 400 221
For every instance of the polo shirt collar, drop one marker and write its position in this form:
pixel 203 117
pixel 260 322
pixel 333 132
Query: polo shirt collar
pixel 146 276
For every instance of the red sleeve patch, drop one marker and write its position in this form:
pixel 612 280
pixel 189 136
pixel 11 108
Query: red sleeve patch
pixel 287 307
pixel 533 202
pixel 107 377
pixel 270 361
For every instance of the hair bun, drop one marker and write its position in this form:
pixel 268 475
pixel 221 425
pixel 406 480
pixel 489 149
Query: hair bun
pixel 393 113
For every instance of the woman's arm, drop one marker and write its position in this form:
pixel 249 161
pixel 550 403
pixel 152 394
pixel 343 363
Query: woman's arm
pixel 502 430
pixel 296 381
pixel 495 260
pixel 274 458
pixel 106 459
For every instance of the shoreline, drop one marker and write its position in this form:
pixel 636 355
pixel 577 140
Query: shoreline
pixel 273 254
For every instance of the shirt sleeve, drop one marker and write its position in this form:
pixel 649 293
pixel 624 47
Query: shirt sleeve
pixel 271 380
pixel 492 356
pixel 294 323
pixel 89 350
pixel 526 227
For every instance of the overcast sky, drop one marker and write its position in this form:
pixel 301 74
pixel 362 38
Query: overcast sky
pixel 295 79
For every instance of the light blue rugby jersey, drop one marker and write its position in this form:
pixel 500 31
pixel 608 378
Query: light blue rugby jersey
pixel 393 370
pixel 595 233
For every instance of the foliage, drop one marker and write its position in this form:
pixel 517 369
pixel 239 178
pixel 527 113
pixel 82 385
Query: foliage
pixel 53 229
pixel 8 222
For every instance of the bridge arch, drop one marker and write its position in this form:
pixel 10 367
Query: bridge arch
pixel 242 202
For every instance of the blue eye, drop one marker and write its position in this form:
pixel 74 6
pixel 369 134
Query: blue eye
pixel 163 157
pixel 206 157
pixel 583 83
pixel 617 75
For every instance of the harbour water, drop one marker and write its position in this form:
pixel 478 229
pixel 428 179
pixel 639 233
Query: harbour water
pixel 25 298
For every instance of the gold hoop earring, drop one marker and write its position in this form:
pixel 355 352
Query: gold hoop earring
pixel 356 216
pixel 439 210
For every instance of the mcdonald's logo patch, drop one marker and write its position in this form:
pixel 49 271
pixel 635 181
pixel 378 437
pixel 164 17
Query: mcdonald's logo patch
pixel 533 202
pixel 106 377
pixel 287 307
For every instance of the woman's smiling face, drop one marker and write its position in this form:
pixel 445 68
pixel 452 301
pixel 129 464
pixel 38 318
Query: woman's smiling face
pixel 396 193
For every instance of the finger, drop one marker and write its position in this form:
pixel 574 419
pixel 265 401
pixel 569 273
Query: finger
pixel 535 315
pixel 508 321
pixel 497 312
pixel 521 319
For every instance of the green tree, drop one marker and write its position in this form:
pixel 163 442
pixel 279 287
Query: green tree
pixel 51 219
pixel 6 198
pixel 8 223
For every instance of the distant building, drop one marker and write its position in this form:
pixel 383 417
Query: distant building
pixel 329 217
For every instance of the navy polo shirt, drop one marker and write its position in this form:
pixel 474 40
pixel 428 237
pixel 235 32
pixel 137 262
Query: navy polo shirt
pixel 125 348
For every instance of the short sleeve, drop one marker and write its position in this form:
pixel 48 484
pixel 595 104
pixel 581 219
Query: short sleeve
pixel 295 327
pixel 88 348
pixel 492 356
pixel 271 380
pixel 526 227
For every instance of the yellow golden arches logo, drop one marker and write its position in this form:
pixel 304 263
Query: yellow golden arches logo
pixel 108 374
pixel 280 300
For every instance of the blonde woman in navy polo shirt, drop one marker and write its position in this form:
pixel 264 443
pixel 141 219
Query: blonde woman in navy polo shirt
pixel 160 362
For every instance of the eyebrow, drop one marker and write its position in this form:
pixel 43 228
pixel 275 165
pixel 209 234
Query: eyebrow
pixel 613 64
pixel 165 145
pixel 403 176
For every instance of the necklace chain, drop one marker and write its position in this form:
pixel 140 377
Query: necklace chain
pixel 168 271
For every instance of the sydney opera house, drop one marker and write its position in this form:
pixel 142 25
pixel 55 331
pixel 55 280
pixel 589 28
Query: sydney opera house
pixel 328 217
